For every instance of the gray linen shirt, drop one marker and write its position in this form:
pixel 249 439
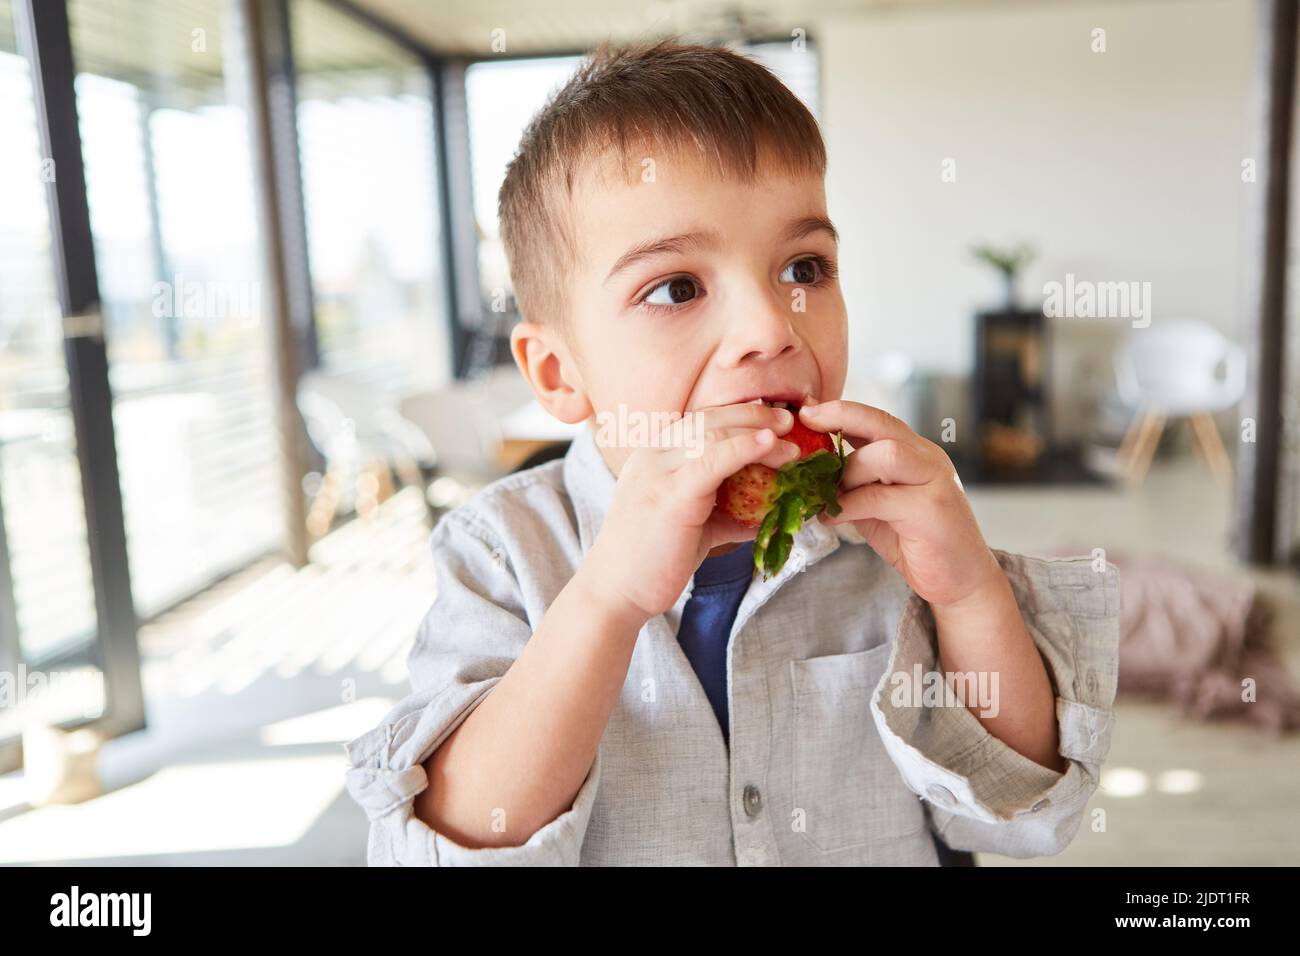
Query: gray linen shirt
pixel 825 766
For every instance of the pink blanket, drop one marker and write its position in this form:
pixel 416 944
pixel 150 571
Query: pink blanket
pixel 1204 641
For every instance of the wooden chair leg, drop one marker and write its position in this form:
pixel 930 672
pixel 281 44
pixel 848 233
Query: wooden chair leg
pixel 1130 438
pixel 385 478
pixel 323 509
pixel 1145 448
pixel 1210 444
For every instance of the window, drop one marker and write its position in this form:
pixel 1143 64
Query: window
pixel 43 518
pixel 501 98
pixel 365 125
pixel 170 185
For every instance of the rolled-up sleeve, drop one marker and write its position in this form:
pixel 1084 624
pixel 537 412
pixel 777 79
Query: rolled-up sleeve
pixel 982 794
pixel 468 639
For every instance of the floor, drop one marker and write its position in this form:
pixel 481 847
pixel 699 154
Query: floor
pixel 1173 792
pixel 251 690
pixel 253 687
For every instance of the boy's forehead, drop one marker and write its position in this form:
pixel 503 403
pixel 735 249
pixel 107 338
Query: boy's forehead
pixel 620 200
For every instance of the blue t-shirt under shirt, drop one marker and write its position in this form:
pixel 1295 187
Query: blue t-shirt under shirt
pixel 710 611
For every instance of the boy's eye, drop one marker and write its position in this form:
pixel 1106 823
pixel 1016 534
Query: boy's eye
pixel 673 292
pixel 802 271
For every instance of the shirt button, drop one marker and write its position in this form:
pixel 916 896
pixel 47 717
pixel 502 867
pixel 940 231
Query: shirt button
pixel 940 795
pixel 1091 683
pixel 1039 805
pixel 753 801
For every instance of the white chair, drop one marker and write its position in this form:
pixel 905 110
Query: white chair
pixel 357 429
pixel 1177 369
pixel 461 429
pixel 462 424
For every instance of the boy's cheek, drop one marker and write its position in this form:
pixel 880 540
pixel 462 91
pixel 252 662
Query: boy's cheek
pixel 833 365
pixel 827 335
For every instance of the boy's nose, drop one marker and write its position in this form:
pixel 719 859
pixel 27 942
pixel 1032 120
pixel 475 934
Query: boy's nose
pixel 760 331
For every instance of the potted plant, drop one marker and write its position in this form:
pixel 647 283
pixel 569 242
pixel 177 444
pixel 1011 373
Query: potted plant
pixel 1008 261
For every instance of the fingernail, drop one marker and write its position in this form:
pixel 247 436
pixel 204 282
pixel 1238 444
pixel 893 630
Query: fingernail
pixel 810 411
pixel 784 416
pixel 790 448
pixel 765 436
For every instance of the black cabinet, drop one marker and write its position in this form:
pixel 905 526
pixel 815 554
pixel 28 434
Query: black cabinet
pixel 1012 409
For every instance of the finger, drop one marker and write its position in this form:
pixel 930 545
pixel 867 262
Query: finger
pixel 691 431
pixel 890 462
pixel 886 502
pixel 718 461
pixel 857 421
pixel 782 451
pixel 747 415
pixel 722 529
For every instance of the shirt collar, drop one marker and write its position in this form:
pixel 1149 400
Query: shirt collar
pixel 590 484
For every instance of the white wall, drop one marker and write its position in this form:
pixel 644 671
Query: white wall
pixel 1123 165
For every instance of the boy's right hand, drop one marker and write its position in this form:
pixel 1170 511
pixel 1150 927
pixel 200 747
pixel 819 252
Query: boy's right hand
pixel 661 522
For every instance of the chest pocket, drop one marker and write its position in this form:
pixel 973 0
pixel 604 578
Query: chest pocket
pixel 849 790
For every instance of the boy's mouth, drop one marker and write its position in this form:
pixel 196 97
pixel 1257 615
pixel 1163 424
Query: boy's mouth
pixel 787 400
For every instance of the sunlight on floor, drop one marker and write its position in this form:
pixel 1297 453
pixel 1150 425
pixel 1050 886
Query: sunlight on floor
pixel 336 725
pixel 183 809
pixel 252 688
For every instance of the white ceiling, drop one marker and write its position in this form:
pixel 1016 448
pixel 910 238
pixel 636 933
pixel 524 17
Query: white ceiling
pixel 532 26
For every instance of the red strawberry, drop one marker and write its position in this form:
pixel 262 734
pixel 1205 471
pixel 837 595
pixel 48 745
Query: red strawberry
pixel 748 495
pixel 778 501
pixel 808 440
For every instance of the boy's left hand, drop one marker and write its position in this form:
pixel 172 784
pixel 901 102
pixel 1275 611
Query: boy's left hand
pixel 902 494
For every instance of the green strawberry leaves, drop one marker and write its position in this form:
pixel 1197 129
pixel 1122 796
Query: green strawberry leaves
pixel 804 489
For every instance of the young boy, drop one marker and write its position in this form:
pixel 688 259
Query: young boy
pixel 602 678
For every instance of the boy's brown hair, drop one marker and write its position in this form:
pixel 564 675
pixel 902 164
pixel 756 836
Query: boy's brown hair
pixel 661 97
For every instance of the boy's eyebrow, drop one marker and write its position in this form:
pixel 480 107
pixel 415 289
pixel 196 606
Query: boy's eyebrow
pixel 666 246
pixel 801 228
pixel 671 245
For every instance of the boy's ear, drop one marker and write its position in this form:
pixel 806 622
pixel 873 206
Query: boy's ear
pixel 549 368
